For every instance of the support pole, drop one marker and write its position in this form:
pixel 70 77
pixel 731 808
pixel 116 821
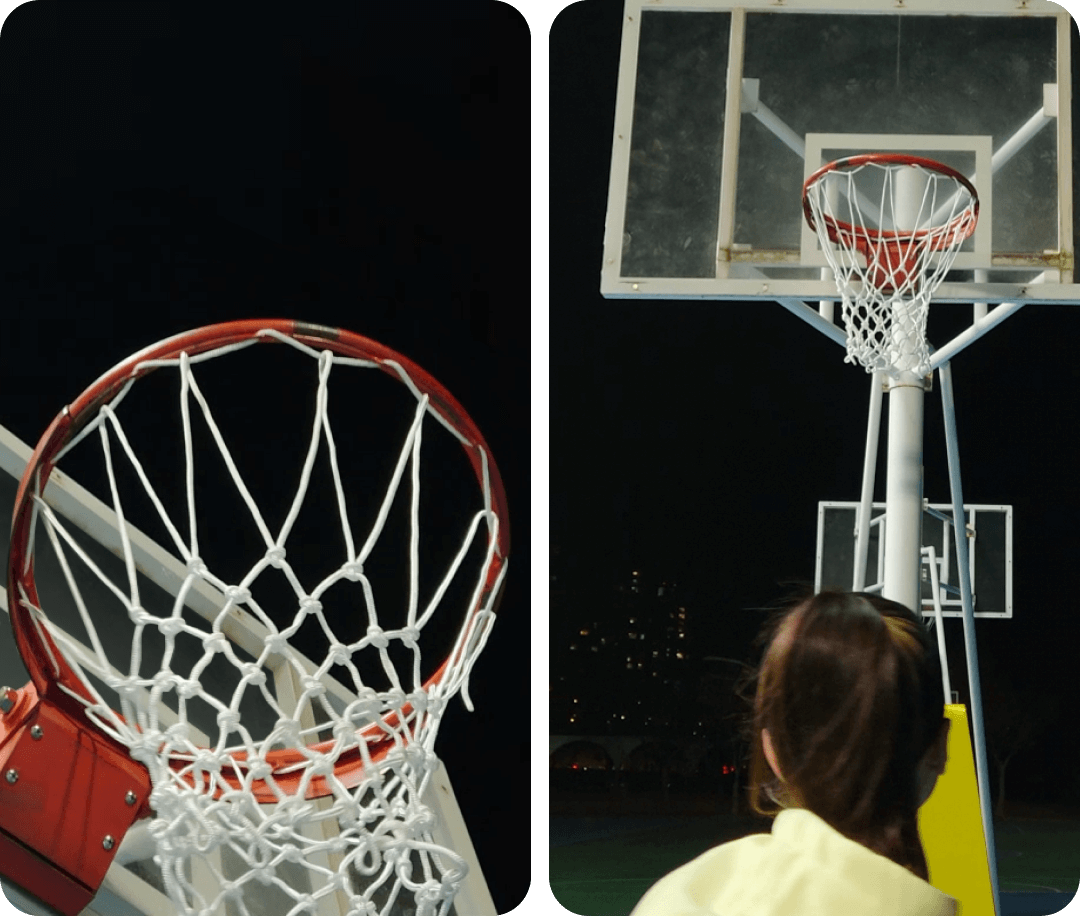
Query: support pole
pixel 866 500
pixel 903 492
pixel 970 647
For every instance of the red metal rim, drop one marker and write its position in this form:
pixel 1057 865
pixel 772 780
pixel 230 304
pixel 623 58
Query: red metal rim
pixel 963 222
pixel 43 660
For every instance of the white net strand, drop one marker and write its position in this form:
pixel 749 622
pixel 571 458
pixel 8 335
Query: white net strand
pixel 886 281
pixel 369 848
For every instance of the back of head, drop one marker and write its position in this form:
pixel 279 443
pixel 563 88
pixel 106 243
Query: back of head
pixel 850 691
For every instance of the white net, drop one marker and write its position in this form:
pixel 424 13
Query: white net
pixel 890 232
pixel 327 838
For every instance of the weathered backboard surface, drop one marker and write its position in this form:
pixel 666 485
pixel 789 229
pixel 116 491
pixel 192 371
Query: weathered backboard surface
pixel 134 884
pixel 725 108
pixel 989 532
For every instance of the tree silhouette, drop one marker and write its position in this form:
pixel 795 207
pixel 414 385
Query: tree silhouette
pixel 725 712
pixel 1014 719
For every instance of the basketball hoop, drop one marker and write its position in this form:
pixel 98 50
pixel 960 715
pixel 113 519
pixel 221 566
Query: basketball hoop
pixel 336 794
pixel 890 226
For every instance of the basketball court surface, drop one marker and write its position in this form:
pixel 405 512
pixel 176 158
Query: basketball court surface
pixel 594 838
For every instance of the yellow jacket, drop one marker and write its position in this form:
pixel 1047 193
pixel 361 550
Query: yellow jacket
pixel 803 868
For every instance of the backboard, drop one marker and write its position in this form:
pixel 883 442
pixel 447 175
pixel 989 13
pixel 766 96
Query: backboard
pixel 724 109
pixel 134 884
pixel 990 544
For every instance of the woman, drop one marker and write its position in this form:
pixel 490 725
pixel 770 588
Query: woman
pixel 848 738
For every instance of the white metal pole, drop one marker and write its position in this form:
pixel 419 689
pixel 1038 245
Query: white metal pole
pixel 981 275
pixel 970 647
pixel 862 520
pixel 800 309
pixel 967 337
pixel 930 558
pixel 725 230
pixel 903 491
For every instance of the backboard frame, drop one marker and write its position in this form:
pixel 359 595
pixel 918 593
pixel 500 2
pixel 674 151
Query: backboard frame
pixel 940 536
pixel 1041 277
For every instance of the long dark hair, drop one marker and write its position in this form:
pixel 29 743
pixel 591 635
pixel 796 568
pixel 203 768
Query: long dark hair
pixel 850 690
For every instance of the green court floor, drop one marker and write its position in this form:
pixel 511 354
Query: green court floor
pixel 602 866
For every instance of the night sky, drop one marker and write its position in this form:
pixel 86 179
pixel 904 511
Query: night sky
pixel 692 441
pixel 171 165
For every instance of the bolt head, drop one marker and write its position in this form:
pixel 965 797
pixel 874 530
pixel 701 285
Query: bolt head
pixel 108 842
pixel 36 733
pixel 12 776
pixel 7 699
pixel 130 798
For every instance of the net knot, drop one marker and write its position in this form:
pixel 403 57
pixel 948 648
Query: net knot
pixel 196 567
pixel 339 654
pixel 228 720
pixel 277 644
pixel 288 730
pixel 140 616
pixel 353 571
pixel 377 637
pixel 254 674
pixel 276 557
pixel 237 595
pixel 395 698
pixel 207 761
pixel 410 636
pixel 171 626
pixel 260 769
pixel 313 687
pixel 216 642
pixel 310 605
pixel 177 734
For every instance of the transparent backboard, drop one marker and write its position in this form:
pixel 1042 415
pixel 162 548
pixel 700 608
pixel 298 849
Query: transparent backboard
pixel 134 884
pixel 990 552
pixel 725 109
